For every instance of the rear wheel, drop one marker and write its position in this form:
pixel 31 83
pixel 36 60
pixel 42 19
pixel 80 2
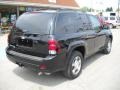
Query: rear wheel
pixel 74 66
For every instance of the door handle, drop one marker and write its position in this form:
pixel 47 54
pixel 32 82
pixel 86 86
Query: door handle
pixel 91 36
pixel 88 36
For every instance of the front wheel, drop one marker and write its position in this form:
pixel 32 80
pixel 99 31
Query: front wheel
pixel 74 65
pixel 111 26
pixel 108 47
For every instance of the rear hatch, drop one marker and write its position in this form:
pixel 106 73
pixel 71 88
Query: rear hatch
pixel 31 33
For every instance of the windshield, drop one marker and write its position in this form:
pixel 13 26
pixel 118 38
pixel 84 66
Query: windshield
pixel 38 23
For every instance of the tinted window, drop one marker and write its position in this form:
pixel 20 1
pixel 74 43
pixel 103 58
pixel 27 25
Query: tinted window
pixel 39 23
pixel 106 18
pixel 112 18
pixel 79 23
pixel 66 23
pixel 95 22
pixel 112 14
pixel 85 21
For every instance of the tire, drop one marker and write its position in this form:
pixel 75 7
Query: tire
pixel 74 65
pixel 108 46
pixel 110 26
pixel 114 26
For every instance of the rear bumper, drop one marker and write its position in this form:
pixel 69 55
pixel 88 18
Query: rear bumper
pixel 116 24
pixel 53 63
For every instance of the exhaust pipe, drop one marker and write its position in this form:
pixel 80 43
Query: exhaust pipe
pixel 47 73
pixel 40 73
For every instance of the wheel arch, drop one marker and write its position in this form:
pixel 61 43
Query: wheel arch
pixel 111 37
pixel 81 47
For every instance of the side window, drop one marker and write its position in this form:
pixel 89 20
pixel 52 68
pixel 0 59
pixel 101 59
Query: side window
pixel 78 24
pixel 85 22
pixel 106 18
pixel 95 22
pixel 112 18
pixel 65 23
pixel 79 21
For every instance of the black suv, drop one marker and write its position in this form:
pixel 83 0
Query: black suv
pixel 57 40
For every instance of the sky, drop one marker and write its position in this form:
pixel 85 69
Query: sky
pixel 98 4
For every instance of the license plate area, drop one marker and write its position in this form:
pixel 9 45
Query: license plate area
pixel 25 42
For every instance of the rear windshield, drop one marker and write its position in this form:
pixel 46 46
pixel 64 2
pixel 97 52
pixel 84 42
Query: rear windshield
pixel 38 23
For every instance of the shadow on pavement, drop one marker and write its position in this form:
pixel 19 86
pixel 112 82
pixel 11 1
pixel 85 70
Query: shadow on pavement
pixel 51 80
pixel 48 80
pixel 91 59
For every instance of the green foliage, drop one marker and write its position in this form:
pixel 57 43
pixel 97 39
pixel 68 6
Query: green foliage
pixel 109 9
pixel 86 9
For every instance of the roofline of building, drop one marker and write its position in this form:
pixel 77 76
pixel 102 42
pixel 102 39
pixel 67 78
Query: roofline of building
pixel 17 3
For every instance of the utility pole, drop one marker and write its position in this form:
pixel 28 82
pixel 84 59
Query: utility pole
pixel 118 8
pixel 91 6
pixel 18 12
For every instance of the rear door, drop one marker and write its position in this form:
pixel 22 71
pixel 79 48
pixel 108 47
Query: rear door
pixel 89 34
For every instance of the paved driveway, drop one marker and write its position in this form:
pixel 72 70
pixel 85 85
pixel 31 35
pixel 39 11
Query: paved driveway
pixel 100 72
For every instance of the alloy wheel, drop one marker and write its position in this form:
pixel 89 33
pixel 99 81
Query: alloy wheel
pixel 76 65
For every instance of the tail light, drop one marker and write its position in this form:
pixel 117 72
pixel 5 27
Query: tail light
pixel 53 47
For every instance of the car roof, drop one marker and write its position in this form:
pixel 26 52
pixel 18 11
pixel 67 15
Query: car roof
pixel 55 11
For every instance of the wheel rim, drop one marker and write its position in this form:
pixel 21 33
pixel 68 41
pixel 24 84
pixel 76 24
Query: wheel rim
pixel 109 46
pixel 76 65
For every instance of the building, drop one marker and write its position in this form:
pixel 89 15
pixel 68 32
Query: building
pixel 19 6
pixel 11 9
pixel 43 3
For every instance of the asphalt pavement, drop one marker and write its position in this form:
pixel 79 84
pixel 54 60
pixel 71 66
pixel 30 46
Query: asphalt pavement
pixel 100 72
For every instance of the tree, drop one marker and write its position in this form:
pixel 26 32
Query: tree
pixel 86 9
pixel 117 10
pixel 109 9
